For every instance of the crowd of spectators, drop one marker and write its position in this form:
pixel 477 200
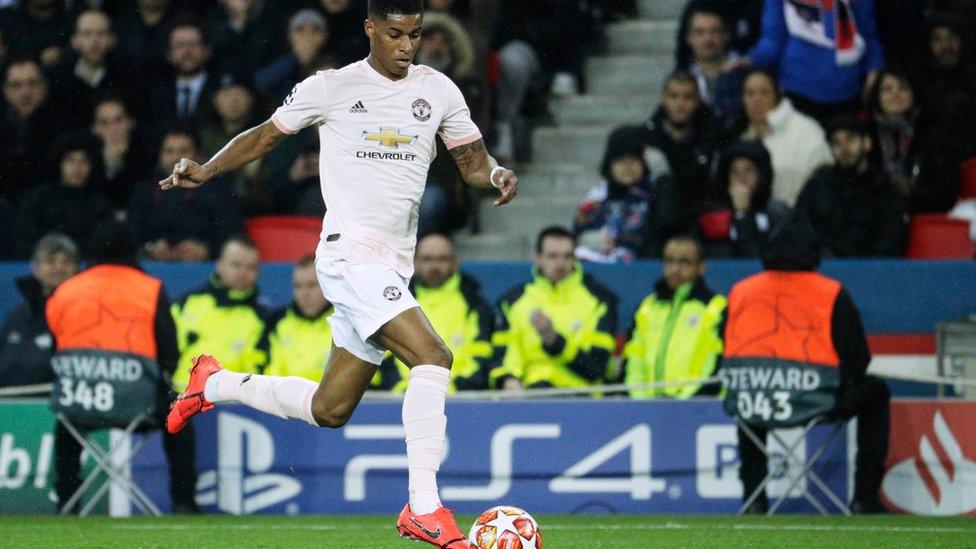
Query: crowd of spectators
pixel 847 112
pixel 99 95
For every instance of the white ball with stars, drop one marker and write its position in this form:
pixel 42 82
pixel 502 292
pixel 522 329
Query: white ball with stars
pixel 505 527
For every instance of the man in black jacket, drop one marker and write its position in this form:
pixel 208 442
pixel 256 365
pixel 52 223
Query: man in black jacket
pixel 25 341
pixel 854 207
pixel 836 347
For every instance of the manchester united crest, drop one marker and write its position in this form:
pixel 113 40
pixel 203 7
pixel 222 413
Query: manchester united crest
pixel 421 110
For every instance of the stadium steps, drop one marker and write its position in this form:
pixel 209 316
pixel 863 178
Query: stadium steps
pixel 624 84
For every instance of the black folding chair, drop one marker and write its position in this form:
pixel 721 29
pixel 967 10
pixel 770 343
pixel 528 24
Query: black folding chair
pixel 97 390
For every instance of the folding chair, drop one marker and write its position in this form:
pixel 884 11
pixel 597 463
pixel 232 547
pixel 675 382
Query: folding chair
pixel 98 390
pixel 754 403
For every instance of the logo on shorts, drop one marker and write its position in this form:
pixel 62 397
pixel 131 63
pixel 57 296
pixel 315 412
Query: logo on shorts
pixel 421 110
pixel 391 293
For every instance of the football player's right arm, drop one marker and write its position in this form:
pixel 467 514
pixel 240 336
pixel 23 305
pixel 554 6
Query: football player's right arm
pixel 246 147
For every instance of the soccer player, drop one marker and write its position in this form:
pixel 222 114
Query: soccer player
pixel 377 119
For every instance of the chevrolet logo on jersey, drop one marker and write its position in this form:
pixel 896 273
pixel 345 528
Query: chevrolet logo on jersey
pixel 389 138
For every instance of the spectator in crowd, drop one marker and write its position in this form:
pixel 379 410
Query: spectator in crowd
pixel 832 340
pixel 453 303
pixel 238 108
pixel 708 40
pixel 29 125
pixel 143 28
pixel 92 71
pixel 923 168
pixel 681 139
pixel 246 33
pixel 742 18
pixel 557 330
pixel 795 142
pixel 677 330
pixel 37 27
pixel 187 93
pixel 74 313
pixel 225 317
pixel 25 340
pixel 71 202
pixel 185 225
pixel 853 206
pixel 945 78
pixel 345 22
pixel 631 213
pixel 823 52
pixel 446 47
pixel 293 185
pixel 299 335
pixel 530 40
pixel 125 157
pixel 739 224
pixel 8 222
pixel 308 35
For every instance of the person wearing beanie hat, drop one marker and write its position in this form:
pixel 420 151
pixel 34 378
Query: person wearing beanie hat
pixel 854 207
pixel 87 314
pixel 630 213
pixel 816 327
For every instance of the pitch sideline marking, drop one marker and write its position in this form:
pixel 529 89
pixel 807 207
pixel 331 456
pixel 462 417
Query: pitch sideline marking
pixel 610 527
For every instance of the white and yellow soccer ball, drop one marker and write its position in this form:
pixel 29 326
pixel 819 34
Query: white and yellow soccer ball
pixel 505 527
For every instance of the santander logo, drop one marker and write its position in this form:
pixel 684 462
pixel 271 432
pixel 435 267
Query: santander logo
pixel 936 477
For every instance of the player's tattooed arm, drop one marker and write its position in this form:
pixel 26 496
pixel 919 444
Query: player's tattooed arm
pixel 247 146
pixel 478 168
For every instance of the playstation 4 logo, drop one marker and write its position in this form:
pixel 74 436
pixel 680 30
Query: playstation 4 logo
pixel 241 484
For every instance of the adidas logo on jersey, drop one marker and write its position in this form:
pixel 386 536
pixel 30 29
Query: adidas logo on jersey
pixel 358 108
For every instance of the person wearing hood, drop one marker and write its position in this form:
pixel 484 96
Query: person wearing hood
pixel 629 214
pixel 25 340
pixel 795 142
pixel 91 319
pixel 447 202
pixel 459 314
pixel 677 330
pixel 681 138
pixel 739 223
pixel 855 209
pixel 225 317
pixel 71 202
pixel 791 318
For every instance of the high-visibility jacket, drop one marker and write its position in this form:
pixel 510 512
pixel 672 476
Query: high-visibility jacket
pixel 300 345
pixel 781 365
pixel 676 336
pixel 88 311
pixel 584 315
pixel 465 322
pixel 230 325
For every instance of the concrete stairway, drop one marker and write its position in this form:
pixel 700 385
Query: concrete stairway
pixel 624 87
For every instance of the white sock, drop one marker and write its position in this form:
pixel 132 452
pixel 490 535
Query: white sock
pixel 286 397
pixel 425 425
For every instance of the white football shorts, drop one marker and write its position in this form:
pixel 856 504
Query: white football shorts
pixel 365 298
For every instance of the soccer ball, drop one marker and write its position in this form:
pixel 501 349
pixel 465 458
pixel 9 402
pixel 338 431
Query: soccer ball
pixel 505 527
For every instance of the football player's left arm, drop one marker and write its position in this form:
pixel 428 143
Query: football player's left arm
pixel 479 169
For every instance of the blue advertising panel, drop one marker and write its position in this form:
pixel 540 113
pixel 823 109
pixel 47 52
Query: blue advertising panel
pixel 602 456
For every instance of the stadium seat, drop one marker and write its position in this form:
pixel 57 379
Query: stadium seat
pixel 285 238
pixel 967 185
pixel 935 236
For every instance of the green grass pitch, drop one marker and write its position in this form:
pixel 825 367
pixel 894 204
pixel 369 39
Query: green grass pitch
pixel 558 531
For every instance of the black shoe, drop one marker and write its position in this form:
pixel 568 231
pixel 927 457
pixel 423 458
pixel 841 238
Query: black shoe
pixel 870 507
pixel 186 508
